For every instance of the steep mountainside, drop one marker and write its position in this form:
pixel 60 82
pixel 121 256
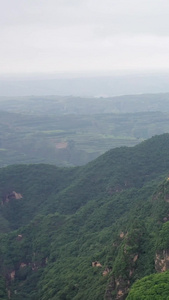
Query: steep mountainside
pixel 88 232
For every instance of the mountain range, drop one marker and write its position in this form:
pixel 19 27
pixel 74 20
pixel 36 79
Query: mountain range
pixel 98 231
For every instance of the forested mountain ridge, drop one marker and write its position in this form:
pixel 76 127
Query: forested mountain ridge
pixel 87 232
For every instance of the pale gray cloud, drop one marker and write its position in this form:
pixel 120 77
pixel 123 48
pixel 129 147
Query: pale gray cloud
pixel 83 36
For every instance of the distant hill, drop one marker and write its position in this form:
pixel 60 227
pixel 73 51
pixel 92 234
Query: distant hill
pixel 86 86
pixel 87 232
pixel 64 105
pixel 71 131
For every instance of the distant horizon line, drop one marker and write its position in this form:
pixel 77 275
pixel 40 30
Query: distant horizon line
pixel 81 96
pixel 81 75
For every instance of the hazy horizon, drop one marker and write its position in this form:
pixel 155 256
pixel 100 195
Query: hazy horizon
pixel 85 86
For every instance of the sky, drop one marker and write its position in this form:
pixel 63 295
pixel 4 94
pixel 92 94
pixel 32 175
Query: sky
pixel 83 36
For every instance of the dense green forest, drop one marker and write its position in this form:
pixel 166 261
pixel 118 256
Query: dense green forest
pixel 71 131
pixel 99 231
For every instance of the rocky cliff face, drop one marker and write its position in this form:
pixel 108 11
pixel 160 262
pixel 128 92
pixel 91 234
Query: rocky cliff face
pixel 10 196
pixel 162 261
pixel 117 289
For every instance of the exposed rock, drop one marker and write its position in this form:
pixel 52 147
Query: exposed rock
pixel 106 271
pixel 96 264
pixel 117 289
pixel 22 265
pixel 19 237
pixel 122 235
pixel 122 287
pixel 135 258
pixel 13 195
pixel 162 261
pixel 12 275
pixel 120 293
pixel 17 195
pixel 131 273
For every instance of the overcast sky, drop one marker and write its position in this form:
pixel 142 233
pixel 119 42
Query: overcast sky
pixel 83 36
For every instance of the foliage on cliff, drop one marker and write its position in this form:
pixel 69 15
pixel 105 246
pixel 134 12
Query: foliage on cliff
pixel 56 222
pixel 151 287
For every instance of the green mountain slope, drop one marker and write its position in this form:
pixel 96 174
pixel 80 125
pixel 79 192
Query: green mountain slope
pixel 88 232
